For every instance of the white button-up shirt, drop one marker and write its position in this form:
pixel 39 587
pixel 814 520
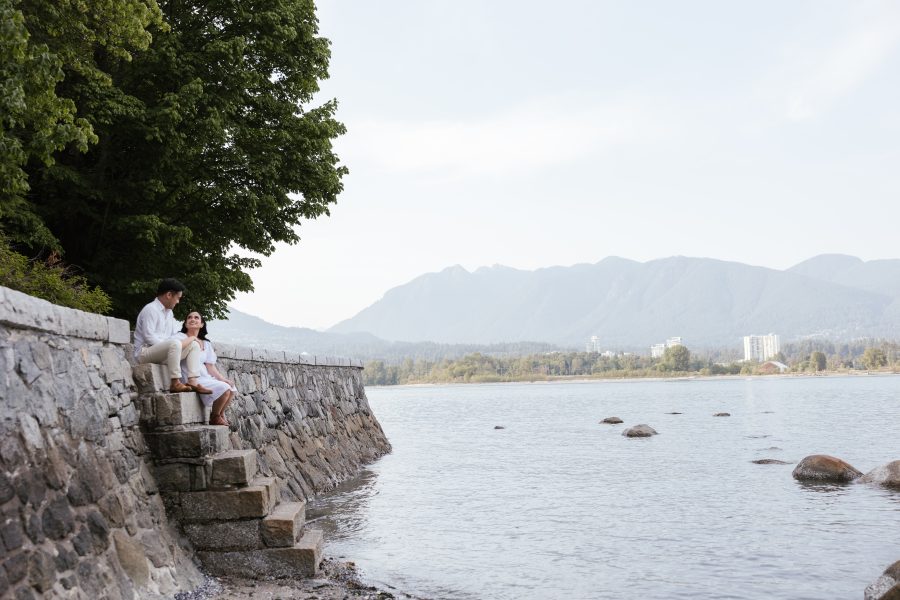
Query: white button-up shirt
pixel 155 324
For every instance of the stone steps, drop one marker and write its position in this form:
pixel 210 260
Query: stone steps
pixel 152 382
pixel 169 410
pixel 232 516
pixel 196 441
pixel 300 560
pixel 232 467
pixel 227 469
pixel 254 500
pixel 151 378
pixel 282 528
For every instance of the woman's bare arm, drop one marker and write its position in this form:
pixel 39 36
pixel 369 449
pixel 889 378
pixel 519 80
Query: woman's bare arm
pixel 211 367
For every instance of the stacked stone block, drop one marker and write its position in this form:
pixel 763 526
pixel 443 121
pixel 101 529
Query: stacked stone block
pixel 228 512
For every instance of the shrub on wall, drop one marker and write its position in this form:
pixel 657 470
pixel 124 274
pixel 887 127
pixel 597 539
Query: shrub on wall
pixel 51 280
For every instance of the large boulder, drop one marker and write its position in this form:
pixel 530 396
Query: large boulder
pixel 888 475
pixel 824 468
pixel 639 431
pixel 886 587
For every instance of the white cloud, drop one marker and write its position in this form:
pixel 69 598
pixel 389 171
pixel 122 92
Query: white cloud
pixel 813 84
pixel 526 137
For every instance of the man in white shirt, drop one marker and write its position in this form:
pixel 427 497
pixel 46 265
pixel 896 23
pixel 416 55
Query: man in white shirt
pixel 153 342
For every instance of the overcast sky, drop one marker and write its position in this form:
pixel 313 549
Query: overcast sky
pixel 533 134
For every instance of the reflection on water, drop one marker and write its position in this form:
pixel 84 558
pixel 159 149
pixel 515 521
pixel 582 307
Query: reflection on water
pixel 822 487
pixel 341 513
pixel 558 506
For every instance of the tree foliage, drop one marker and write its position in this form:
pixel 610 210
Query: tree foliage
pixel 676 358
pixel 481 368
pixel 818 361
pixel 206 151
pixel 43 44
pixel 874 358
pixel 51 280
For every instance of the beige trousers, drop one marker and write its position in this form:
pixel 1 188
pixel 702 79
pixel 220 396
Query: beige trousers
pixel 170 353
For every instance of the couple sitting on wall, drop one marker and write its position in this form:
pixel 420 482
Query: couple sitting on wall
pixel 187 353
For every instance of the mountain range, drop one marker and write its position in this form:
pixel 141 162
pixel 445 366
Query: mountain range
pixel 630 304
pixel 247 330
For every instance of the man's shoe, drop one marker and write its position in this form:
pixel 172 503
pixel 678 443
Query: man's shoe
pixel 199 388
pixel 178 387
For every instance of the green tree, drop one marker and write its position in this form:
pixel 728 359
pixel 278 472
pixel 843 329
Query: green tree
pixel 677 358
pixel 208 153
pixel 874 358
pixel 43 44
pixel 817 361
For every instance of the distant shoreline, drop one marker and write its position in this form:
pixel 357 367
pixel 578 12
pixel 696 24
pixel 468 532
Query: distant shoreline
pixel 574 379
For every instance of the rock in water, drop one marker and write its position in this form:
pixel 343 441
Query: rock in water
pixel 613 420
pixel 769 461
pixel 499 427
pixel 887 475
pixel 824 468
pixel 639 431
pixel 722 415
pixel 886 587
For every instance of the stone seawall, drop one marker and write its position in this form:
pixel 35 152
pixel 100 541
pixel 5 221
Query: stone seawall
pixel 310 423
pixel 81 513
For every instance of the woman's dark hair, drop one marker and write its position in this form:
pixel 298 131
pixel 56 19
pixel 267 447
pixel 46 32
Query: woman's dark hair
pixel 200 334
pixel 169 285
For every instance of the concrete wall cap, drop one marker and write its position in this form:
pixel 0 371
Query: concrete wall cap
pixel 20 310
pixel 224 350
pixel 119 333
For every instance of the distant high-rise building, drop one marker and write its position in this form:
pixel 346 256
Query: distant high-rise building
pixel 673 341
pixel 761 347
pixel 658 350
pixel 593 344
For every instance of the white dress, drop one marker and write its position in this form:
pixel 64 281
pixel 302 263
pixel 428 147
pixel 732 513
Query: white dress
pixel 207 357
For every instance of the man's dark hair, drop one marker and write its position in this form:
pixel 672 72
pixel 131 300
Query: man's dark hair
pixel 169 285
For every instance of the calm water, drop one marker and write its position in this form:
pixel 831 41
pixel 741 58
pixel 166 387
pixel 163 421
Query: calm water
pixel 559 506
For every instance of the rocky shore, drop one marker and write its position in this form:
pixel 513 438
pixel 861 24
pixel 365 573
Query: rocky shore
pixel 337 580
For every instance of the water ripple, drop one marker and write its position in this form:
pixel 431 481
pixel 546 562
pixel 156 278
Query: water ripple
pixel 555 506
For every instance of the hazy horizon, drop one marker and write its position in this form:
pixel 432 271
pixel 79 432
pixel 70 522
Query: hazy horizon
pixel 505 133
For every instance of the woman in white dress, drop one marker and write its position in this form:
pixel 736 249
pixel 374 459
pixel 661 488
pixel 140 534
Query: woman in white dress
pixel 222 389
